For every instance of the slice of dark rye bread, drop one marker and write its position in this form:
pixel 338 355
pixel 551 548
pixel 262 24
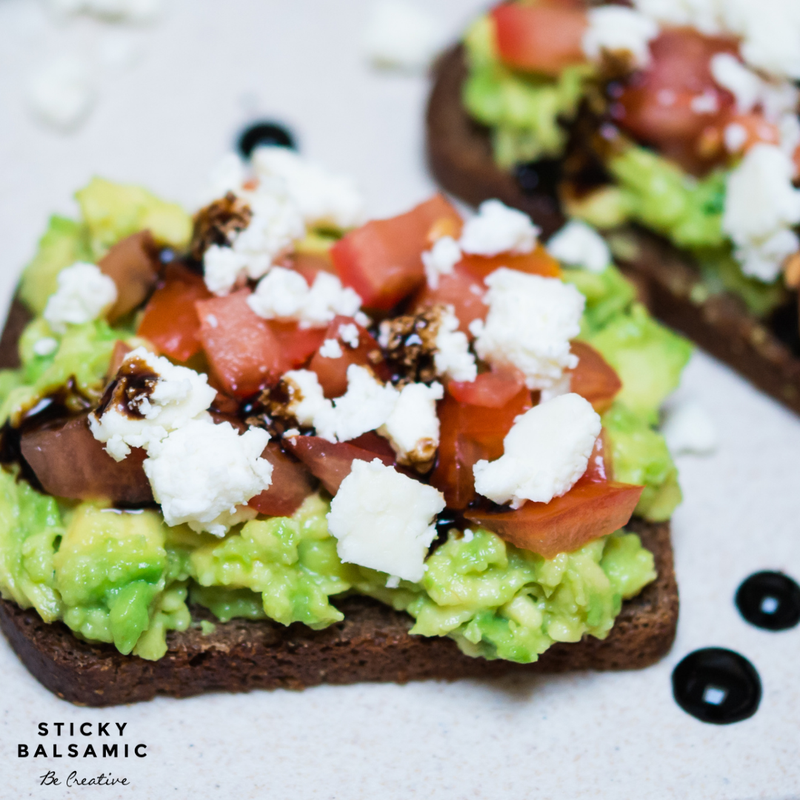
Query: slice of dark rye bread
pixel 371 644
pixel 460 156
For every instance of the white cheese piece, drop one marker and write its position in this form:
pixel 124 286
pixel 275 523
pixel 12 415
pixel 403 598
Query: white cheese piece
pixel 705 103
pixel 284 294
pixel 202 473
pixel 227 175
pixel 223 269
pixel 544 453
pixel 180 395
pixel 496 229
pixel 735 137
pixel 348 333
pixel 731 74
pixel 322 197
pixel 84 293
pixel 331 349
pixel 306 398
pixel 440 259
pixel 402 36
pixel 616 29
pixel 452 358
pixel 689 428
pixel 579 245
pixel 45 346
pixel 561 386
pixel 62 93
pixel 761 205
pixel 413 426
pixel 365 406
pixel 530 323
pixel 383 520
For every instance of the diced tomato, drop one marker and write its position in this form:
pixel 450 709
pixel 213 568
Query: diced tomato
pixel 117 357
pixel 589 510
pixel 296 343
pixel 599 469
pixel 291 484
pixel 469 433
pixel 594 378
pixel 490 389
pixel 330 462
pixel 459 289
pixel 537 262
pixel 382 260
pixel 309 265
pixel 170 320
pixel 133 265
pixel 545 38
pixel 332 372
pixel 243 350
pixel 675 101
pixel 376 444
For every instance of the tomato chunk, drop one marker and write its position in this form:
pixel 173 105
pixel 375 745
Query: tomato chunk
pixel 170 320
pixel 296 343
pixel 589 510
pixel 382 260
pixel 291 484
pixel 309 265
pixel 594 378
pixel 332 372
pixel 545 38
pixel 537 262
pixel 461 290
pixel 133 265
pixel 490 389
pixel 242 348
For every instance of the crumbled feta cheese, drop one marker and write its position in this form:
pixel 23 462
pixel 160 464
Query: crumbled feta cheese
pixel 62 93
pixel 562 386
pixel 306 398
pixel 348 333
pixel 383 520
pixel 615 29
pixel 529 325
pixel 735 137
pixel 322 197
pixel 544 453
pixel 201 473
pixel 441 259
pixel 227 175
pixel 223 269
pixel 729 73
pixel 705 103
pixel 578 245
pixel 365 406
pixel 284 294
pixel 331 349
pixel 84 293
pixel 292 433
pixel 180 394
pixel 392 582
pixel 689 428
pixel 402 36
pixel 496 229
pixel 45 346
pixel 413 427
pixel 452 358
pixel 761 205
pixel 468 536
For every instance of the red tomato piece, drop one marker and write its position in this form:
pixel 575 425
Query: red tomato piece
pixel 117 357
pixel 242 348
pixel 756 128
pixel 170 321
pixel 545 38
pixel 330 462
pixel 594 378
pixel 382 260
pixel 599 468
pixel 537 262
pixel 490 389
pixel 461 290
pixel 332 372
pixel 589 510
pixel 291 484
pixel 296 343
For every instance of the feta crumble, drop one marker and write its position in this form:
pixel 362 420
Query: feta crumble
pixel 413 427
pixel 689 428
pixel 452 358
pixel 45 346
pixel 441 259
pixel 731 74
pixel 496 229
pixel 180 394
pixel 579 245
pixel 284 294
pixel 306 398
pixel 529 325
pixel 331 349
pixel 84 293
pixel 616 29
pixel 201 473
pixel 348 333
pixel 383 520
pixel 61 93
pixel 544 453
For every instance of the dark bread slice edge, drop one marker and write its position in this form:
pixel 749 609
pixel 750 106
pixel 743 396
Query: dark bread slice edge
pixel 372 643
pixel 460 157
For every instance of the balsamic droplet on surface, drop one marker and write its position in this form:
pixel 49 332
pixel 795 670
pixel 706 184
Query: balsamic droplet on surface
pixel 717 685
pixel 264 133
pixel 769 600
pixel 538 176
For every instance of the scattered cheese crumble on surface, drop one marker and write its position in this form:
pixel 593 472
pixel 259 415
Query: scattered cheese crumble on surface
pixel 440 259
pixel 306 398
pixel 62 92
pixel 452 358
pixel 544 453
pixel 45 346
pixel 384 520
pixel 412 427
pixel 496 229
pixel 348 333
pixel 84 293
pixel 689 428
pixel 616 29
pixel 579 245
pixel 331 349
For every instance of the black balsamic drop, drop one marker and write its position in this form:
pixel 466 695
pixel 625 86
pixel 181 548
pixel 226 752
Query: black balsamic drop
pixel 769 600
pixel 717 686
pixel 542 176
pixel 264 133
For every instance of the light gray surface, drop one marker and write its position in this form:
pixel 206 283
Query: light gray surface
pixel 205 69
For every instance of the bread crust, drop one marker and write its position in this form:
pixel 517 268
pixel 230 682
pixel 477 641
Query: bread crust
pixel 460 157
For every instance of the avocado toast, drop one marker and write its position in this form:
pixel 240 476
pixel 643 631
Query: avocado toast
pixel 236 522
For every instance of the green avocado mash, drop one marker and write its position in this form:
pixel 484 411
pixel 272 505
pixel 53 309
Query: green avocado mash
pixel 125 577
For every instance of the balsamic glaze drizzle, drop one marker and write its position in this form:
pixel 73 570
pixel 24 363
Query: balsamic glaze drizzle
pixel 769 600
pixel 264 133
